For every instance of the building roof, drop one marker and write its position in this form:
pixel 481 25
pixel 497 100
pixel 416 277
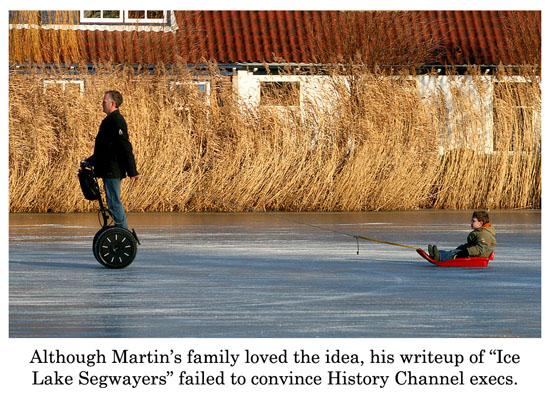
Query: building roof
pixel 229 37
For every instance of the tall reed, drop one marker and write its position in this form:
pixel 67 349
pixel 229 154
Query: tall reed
pixel 378 149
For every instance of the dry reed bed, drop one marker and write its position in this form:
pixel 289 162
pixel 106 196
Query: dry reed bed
pixel 377 149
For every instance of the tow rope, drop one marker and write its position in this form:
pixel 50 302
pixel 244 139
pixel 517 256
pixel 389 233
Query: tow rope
pixel 387 242
pixel 216 199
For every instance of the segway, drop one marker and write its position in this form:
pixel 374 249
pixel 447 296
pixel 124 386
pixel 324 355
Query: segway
pixel 114 247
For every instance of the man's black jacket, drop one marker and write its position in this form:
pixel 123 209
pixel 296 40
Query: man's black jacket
pixel 113 156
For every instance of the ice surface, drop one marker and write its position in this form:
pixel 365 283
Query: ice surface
pixel 256 275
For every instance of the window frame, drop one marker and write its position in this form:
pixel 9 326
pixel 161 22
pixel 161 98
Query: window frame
pixel 124 19
pixel 163 20
pixel 195 83
pixel 101 20
pixel 64 82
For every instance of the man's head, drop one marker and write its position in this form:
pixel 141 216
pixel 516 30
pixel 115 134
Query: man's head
pixel 111 101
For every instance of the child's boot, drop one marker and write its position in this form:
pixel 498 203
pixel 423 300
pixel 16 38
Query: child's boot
pixel 436 256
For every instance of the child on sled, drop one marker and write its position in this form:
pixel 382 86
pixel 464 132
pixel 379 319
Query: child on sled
pixel 481 241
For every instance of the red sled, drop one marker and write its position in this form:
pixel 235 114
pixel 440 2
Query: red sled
pixel 473 261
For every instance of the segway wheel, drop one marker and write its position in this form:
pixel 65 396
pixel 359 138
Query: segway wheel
pixel 114 247
pixel 99 233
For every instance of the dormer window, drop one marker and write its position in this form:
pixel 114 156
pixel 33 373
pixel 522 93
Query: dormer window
pixel 124 16
pixel 146 16
pixel 101 16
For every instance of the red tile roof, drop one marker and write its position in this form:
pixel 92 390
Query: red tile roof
pixel 462 37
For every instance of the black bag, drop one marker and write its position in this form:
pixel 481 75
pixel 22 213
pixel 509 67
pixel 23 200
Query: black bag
pixel 88 184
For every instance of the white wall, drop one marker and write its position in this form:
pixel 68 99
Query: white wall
pixel 458 93
pixel 453 93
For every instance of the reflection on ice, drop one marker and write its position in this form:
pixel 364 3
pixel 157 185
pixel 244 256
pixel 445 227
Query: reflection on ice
pixel 252 275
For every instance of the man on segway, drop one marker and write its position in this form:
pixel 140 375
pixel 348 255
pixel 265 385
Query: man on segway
pixel 114 246
pixel 113 158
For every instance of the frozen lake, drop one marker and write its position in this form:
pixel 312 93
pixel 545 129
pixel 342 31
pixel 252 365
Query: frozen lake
pixel 254 275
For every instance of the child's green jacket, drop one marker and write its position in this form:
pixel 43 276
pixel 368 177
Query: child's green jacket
pixel 481 241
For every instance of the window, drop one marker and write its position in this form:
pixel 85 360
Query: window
pixel 101 16
pixel 280 93
pixel 185 92
pixel 126 16
pixel 146 16
pixel 65 86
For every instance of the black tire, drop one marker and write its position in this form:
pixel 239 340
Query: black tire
pixel 114 247
pixel 95 239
